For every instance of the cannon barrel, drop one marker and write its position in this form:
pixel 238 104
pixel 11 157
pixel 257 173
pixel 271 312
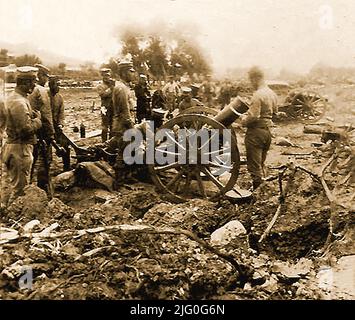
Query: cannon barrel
pixel 232 111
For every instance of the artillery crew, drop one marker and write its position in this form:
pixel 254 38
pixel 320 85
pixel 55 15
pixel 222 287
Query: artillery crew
pixel 105 93
pixel 22 124
pixel 258 121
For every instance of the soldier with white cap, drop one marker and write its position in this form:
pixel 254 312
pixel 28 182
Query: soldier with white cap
pixel 22 125
pixel 187 101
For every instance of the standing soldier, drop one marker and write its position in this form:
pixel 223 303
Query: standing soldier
pixel 3 118
pixel 122 119
pixel 57 106
pixel 143 99
pixel 22 124
pixel 39 100
pixel 105 93
pixel 208 91
pixel 171 91
pixel 258 122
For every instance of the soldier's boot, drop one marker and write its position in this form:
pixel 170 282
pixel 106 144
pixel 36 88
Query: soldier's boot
pixel 66 160
pixel 256 182
pixel 119 168
pixel 104 134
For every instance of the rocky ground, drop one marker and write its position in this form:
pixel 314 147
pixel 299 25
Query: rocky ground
pixel 92 243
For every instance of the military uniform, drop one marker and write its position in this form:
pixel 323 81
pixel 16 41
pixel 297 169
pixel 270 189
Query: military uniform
pixel 258 135
pixel 143 101
pixel 57 106
pixel 122 120
pixel 22 124
pixel 105 92
pixel 39 101
pixel 3 118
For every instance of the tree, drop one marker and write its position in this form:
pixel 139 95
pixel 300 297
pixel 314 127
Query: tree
pixel 152 52
pixel 27 60
pixel 155 57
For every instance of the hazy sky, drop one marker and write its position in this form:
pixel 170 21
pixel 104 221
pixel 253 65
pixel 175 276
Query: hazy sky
pixel 235 33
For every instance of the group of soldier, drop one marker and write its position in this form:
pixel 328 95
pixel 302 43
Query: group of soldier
pixel 118 109
pixel 33 117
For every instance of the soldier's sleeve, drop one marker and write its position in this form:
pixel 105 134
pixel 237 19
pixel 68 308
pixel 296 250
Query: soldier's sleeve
pixel 47 117
pixel 34 99
pixel 3 117
pixel 25 125
pixel 254 110
pixel 61 115
pixel 121 105
pixel 103 91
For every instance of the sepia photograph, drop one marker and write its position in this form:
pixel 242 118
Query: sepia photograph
pixel 192 152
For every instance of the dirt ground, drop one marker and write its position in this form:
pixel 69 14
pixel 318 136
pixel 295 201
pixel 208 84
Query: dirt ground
pixel 131 263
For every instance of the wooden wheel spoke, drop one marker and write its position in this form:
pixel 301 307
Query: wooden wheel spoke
pixel 167 167
pixel 200 184
pixel 176 179
pixel 167 152
pixel 176 142
pixel 218 165
pixel 213 178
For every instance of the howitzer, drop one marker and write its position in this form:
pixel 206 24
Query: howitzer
pixel 209 174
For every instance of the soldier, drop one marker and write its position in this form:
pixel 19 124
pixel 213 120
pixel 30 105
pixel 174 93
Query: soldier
pixel 57 106
pixel 143 99
pixel 105 93
pixel 39 100
pixel 22 124
pixel 187 101
pixel 3 118
pixel 258 122
pixel 171 91
pixel 208 91
pixel 122 118
pixel 195 91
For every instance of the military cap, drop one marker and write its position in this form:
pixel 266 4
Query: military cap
pixel 186 90
pixel 126 65
pixel 27 72
pixel 143 76
pixel 43 69
pixel 195 86
pixel 104 71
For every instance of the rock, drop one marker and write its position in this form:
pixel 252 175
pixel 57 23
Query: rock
pixel 30 225
pixel 59 209
pixel 32 205
pixel 64 180
pixel 228 233
pixel 281 141
pixel 94 173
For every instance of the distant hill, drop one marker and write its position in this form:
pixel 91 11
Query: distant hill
pixel 47 57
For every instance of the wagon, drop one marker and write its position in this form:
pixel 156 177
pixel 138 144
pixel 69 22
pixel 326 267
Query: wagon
pixel 298 104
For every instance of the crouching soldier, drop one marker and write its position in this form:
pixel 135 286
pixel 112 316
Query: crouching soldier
pixel 22 124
